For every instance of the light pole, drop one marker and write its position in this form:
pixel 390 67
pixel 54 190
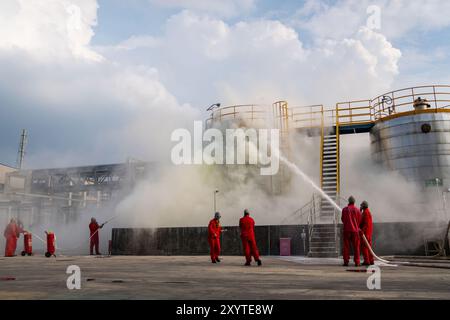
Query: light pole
pixel 215 206
pixel 213 106
pixel 444 200
pixel 303 236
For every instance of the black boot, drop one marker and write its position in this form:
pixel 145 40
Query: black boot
pixel 217 260
pixel 259 262
pixel 247 264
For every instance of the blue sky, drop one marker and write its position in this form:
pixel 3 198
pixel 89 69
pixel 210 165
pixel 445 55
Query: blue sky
pixel 119 20
pixel 97 93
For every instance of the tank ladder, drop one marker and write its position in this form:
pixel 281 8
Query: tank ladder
pixel 329 169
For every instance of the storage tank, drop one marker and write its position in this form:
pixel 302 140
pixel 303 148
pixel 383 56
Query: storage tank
pixel 411 134
pixel 255 116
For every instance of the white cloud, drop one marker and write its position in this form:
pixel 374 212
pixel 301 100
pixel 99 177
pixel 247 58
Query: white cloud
pixel 121 99
pixel 49 28
pixel 205 60
pixel 73 101
pixel 81 108
pixel 136 42
pixel 398 17
pixel 223 8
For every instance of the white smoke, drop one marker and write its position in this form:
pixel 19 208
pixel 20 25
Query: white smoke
pixel 87 104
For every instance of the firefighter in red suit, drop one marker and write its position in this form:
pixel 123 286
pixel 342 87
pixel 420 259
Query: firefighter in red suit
pixel 11 234
pixel 94 239
pixel 366 227
pixel 351 219
pixel 214 231
pixel 247 226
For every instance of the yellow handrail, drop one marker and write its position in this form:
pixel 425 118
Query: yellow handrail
pixel 357 112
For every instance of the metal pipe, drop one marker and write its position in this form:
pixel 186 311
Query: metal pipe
pixel 43 196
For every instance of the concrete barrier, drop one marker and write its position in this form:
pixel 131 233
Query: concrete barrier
pixel 193 240
pixel 401 238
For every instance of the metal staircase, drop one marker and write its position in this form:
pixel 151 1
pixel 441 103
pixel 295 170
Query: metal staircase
pixel 324 236
pixel 329 175
pixel 323 241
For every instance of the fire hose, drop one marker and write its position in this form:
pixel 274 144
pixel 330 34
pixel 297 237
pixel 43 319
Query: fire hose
pixel 101 227
pixel 371 250
pixel 79 247
pixel 93 234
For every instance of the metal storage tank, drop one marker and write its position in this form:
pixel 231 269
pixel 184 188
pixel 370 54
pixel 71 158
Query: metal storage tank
pixel 254 116
pixel 411 133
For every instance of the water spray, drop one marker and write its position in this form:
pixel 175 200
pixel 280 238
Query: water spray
pixel 328 198
pixel 309 181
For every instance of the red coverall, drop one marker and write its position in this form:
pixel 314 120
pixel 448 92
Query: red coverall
pixel 351 218
pixel 11 234
pixel 93 227
pixel 366 228
pixel 214 230
pixel 247 225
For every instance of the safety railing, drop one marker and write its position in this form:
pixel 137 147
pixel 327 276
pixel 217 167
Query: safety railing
pixel 248 113
pixel 312 217
pixel 253 115
pixel 431 97
pixel 306 214
pixel 354 112
pixel 307 116
pixel 280 113
pixel 314 116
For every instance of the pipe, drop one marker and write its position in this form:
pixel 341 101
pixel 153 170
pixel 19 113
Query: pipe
pixel 96 231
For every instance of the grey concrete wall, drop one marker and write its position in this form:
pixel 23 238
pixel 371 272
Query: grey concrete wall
pixel 388 239
pixel 193 241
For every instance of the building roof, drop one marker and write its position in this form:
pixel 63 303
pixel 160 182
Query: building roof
pixel 7 165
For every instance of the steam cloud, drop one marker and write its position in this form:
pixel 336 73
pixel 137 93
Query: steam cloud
pixel 60 87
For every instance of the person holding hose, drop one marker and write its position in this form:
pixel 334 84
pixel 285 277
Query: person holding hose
pixel 214 231
pixel 351 219
pixel 247 226
pixel 366 227
pixel 94 227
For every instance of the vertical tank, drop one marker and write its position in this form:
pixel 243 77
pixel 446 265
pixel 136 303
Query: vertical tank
pixel 256 117
pixel 418 146
pixel 411 134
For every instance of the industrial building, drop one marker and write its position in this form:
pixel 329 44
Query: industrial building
pixel 61 194
pixel 4 169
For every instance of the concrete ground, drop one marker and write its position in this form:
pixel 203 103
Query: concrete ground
pixel 194 277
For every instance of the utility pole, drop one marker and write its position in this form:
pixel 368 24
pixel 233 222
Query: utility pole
pixel 21 152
